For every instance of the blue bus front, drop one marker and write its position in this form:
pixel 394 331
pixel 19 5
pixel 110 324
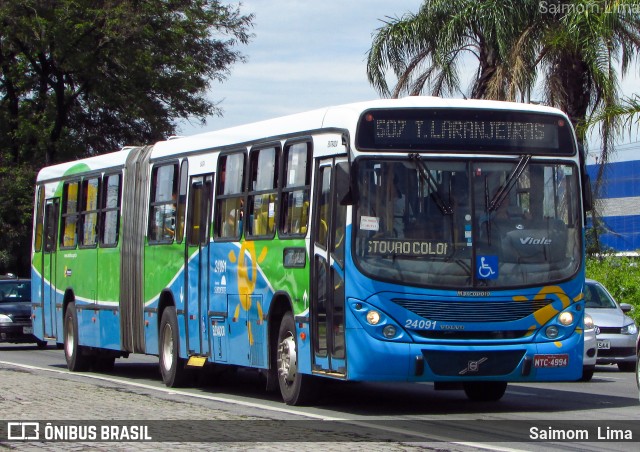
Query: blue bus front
pixel 467 266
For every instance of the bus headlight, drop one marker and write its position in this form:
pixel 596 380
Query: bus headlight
pixel 373 317
pixel 551 332
pixel 389 331
pixel 376 323
pixel 565 318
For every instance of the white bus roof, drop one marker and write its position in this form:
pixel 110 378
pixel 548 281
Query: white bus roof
pixel 336 117
pixel 99 162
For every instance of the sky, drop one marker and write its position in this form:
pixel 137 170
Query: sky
pixel 310 54
pixel 304 55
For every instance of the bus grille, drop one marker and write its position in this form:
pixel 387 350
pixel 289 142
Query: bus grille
pixel 472 335
pixel 481 311
pixel 473 364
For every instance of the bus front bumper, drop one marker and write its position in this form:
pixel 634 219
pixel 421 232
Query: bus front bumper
pixel 514 362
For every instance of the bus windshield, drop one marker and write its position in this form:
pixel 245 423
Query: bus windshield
pixel 470 223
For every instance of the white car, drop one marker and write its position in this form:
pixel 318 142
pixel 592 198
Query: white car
pixel 616 332
pixel 590 349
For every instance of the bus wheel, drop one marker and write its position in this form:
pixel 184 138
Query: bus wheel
pixel 296 388
pixel 485 391
pixel 77 361
pixel 172 367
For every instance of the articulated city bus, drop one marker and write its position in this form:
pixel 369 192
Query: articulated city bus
pixel 413 240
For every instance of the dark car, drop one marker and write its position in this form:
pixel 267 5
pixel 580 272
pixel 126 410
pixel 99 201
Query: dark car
pixel 15 312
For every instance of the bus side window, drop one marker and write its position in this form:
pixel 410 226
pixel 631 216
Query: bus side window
pixel 163 205
pixel 89 212
pixel 182 200
pixel 70 193
pixel 262 196
pixel 296 188
pixel 110 213
pixel 229 215
pixel 37 246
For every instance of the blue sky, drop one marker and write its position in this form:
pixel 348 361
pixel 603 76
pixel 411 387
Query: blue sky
pixel 307 55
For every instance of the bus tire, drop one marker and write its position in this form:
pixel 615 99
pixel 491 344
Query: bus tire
pixel 77 360
pixel 296 388
pixel 485 391
pixel 172 367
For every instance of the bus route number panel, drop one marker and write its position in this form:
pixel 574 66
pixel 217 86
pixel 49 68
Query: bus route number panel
pixel 468 130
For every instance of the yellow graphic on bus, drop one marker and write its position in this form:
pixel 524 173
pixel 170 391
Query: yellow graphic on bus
pixel 546 313
pixel 247 277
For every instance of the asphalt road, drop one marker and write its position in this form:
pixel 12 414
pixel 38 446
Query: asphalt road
pixel 393 416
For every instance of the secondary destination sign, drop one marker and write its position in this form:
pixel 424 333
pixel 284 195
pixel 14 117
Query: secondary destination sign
pixel 408 248
pixel 464 130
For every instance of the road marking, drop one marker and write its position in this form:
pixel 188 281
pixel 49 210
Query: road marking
pixel 172 391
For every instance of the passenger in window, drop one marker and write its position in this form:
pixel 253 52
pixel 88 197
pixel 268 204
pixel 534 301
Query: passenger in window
pixel 231 225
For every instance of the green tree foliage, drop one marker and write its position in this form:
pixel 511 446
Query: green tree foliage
pixel 84 77
pixel 621 276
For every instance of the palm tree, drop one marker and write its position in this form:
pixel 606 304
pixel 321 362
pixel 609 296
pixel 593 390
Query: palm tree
pixel 573 44
pixel 428 48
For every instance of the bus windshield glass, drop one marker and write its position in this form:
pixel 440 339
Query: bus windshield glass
pixel 475 223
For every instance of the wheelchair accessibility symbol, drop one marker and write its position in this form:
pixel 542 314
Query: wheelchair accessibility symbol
pixel 487 267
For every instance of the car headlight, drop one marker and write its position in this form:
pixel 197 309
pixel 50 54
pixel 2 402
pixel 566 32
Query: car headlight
pixel 5 319
pixel 629 329
pixel 588 322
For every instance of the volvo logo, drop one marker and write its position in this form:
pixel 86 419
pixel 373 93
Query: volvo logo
pixel 472 366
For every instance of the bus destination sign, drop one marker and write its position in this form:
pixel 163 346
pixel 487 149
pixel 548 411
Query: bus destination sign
pixel 464 131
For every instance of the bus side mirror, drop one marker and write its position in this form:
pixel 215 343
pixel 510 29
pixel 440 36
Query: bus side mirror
pixel 587 195
pixel 343 184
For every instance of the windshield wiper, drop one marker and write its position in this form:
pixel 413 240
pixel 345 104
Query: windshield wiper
pixel 508 184
pixel 444 206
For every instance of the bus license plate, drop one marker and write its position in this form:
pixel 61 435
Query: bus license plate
pixel 604 344
pixel 27 330
pixel 551 360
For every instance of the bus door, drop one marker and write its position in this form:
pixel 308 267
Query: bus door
pixel 327 302
pixel 48 289
pixel 197 264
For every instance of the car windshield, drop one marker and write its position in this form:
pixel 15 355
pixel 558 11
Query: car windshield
pixel 14 291
pixel 468 223
pixel 596 297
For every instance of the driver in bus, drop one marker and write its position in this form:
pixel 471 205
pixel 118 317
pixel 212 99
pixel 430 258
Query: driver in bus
pixel 401 209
